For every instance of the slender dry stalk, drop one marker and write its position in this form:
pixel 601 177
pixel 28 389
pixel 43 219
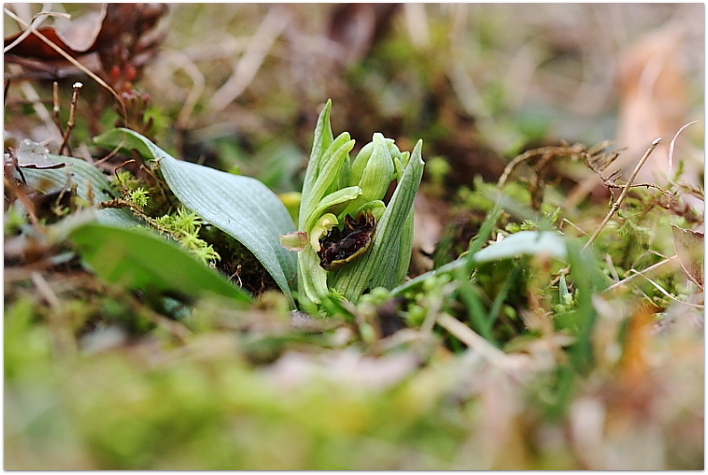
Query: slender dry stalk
pixel 36 21
pixel 72 117
pixel 56 108
pixel 623 195
pixel 475 342
pixel 636 274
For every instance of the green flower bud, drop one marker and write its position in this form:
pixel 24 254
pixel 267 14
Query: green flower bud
pixel 374 172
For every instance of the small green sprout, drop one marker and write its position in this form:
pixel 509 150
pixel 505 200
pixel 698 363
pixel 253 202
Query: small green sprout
pixel 184 226
pixel 140 197
pixel 350 238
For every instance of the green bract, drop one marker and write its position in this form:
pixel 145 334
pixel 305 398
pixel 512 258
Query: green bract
pixel 335 188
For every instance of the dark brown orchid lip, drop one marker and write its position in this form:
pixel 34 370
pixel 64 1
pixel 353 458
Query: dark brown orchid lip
pixel 340 246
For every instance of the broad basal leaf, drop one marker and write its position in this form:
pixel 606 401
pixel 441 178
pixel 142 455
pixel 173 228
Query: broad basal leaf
pixel 140 259
pixel 240 206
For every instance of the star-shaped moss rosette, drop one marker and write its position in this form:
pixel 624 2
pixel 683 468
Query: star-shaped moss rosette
pixel 350 238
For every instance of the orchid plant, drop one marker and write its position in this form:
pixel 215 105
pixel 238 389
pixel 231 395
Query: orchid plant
pixel 350 238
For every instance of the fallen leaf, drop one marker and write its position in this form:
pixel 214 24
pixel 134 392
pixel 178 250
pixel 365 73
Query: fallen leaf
pixel 35 155
pixel 689 249
pixel 115 32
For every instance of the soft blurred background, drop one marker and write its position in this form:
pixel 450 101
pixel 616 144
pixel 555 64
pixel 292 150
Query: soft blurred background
pixel 242 84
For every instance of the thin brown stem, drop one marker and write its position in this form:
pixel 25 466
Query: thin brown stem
pixel 623 195
pixel 56 108
pixel 72 117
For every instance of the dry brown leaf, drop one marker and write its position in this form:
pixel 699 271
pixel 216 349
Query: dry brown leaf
pixel 116 32
pixel 86 34
pixel 689 249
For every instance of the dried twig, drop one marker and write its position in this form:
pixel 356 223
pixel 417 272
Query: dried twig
pixel 475 342
pixel 470 338
pixel 667 294
pixel 115 172
pixel 520 159
pixel 36 21
pixel 55 109
pixel 624 193
pixel 72 117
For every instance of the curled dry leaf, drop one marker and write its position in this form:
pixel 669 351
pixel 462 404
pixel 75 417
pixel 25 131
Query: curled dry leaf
pixel 689 248
pixel 116 31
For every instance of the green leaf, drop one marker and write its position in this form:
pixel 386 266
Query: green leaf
pixel 333 199
pixel 240 206
pixel 140 259
pixel 522 243
pixel 525 242
pixel 406 249
pixel 332 162
pixel 92 186
pixel 314 280
pixel 322 140
pixel 376 176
